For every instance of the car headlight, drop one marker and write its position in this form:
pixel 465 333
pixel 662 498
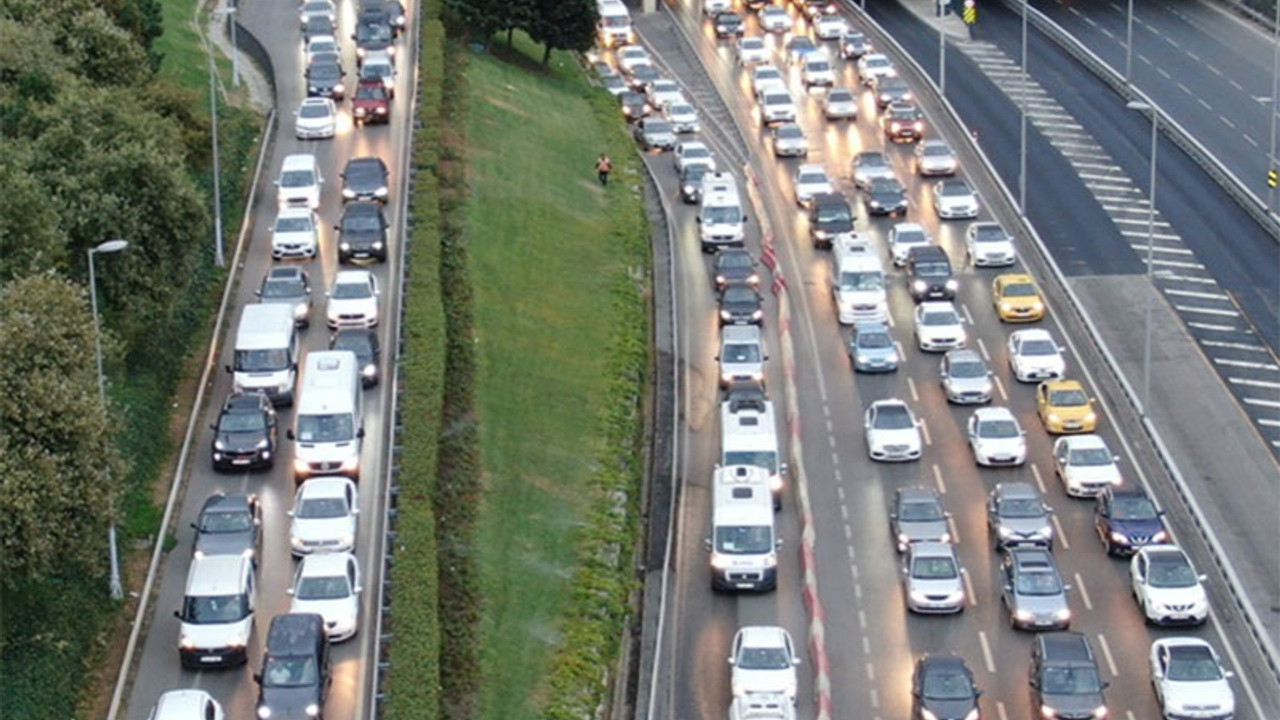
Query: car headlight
pixel 725 314
pixel 757 315
pixel 904 539
pixel 771 560
pixel 823 234
pixel 973 715
pixel 1048 712
pixel 264 712
pixel 919 286
pixel 1100 712
pixel 1091 417
pixel 219 445
pixel 344 246
pixel 919 596
pixel 918 126
pixel 377 245
pixel 1119 537
pixel 263 444
pixel 301 466
pixel 1004 532
pixel 1053 418
pixel 1062 615
pixel 895 127
pixel 719 562
pixel 350 463
pixel 945 538
pixel 360 112
pixel 369 370
pixel 1024 615
pixel 688 190
pixel 299 311
pixel 313 710
pixel 381 110
pixel 338 88
pixel 1160 537
pixel 952 284
pixel 313 89
pixel 1037 306
pixel 360 52
pixel 348 193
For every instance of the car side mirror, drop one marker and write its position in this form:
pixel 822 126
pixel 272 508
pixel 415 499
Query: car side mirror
pixel 353 36
pixel 784 469
pixel 227 368
pixel 744 218
pixel 717 357
pixel 707 544
pixel 731 661
pixel 893 516
pixel 289 434
pixel 698 219
pixel 360 433
pixel 766 357
pixel 1066 587
pixel 358 589
pixel 1048 509
pixel 1228 674
pixel 336 226
pixel 289 513
pixel 194 525
pixel 289 592
pixel 257 677
pixel 1106 685
pixel 177 614
pixel 1034 683
pixel 214 427
pixel 777 544
pixel 796 661
pixel 1202 577
pixel 355 511
pixel 1116 458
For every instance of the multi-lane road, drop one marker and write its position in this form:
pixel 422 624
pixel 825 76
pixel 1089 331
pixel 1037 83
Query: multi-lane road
pixel 157 669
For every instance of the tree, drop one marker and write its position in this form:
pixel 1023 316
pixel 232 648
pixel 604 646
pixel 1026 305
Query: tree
pixel 59 473
pixel 563 25
pixel 30 240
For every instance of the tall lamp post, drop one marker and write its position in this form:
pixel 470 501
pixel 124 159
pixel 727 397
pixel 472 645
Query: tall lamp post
pixel 218 256
pixel 1272 163
pixel 1022 121
pixel 110 246
pixel 1128 47
pixel 1143 106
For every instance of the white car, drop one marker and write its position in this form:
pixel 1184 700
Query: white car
pixel 299 181
pixel 766 77
pixel 774 19
pixel 321 44
pixel 353 300
pixel 1167 587
pixel 664 92
pixel 632 56
pixel 693 152
pixel 789 141
pixel 1034 356
pixel 1189 679
pixel 840 104
pixel 752 51
pixel 325 516
pixel 935 157
pixel 830 27
pixel 996 438
pixel 318 8
pixel 776 106
pixel 329 584
pixel 379 64
pixel 683 117
pixel 316 119
pixel 892 432
pixel 715 7
pixel 875 65
pixel 938 326
pixel 904 236
pixel 988 245
pixel 296 234
pixel 811 179
pixel 764 660
pixel 1085 465
pixel 954 199
pixel 817 71
pixel 186 705
pixel 870 165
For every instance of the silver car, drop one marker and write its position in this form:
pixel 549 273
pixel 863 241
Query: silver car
pixel 840 104
pixel 789 141
pixel 869 165
pixel 965 378
pixel 1016 516
pixel 872 349
pixel 741 355
pixel 917 516
pixel 935 157
pixel 652 132
pixel 1033 591
pixel 932 579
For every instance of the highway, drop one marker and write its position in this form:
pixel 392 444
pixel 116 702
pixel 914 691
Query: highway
pixel 870 639
pixel 157 669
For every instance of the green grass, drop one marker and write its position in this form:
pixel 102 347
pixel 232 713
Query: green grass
pixel 538 228
pixel 183 56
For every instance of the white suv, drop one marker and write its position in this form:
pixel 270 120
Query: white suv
pixel 764 661
pixel 296 234
pixel 299 182
pixel 353 300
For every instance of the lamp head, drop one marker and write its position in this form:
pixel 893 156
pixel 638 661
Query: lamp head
pixel 111 246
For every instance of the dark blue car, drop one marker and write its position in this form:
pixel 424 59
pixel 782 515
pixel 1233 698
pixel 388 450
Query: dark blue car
pixel 1127 519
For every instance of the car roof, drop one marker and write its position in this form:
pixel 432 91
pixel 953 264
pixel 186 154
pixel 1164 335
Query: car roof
pixel 1032 334
pixel 221 502
pixel 890 402
pixel 927 252
pixel 182 705
pixel 762 635
pixel 1015 490
pixel 351 276
pixel 1067 646
pixel 325 564
pixel 211 575
pixel 831 198
pixel 1077 442
pixel 1030 557
pixel 1010 278
pixel 932 549
pixel 299 161
pixel 740 333
pixel 915 494
pixel 328 486
pixel 936 305
pixel 995 412
pixel 1062 385
pixel 294 633
pixel 944 661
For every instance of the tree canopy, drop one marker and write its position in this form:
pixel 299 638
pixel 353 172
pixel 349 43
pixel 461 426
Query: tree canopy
pixel 556 24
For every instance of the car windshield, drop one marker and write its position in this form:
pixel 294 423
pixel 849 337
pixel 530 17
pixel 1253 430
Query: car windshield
pixel 990 233
pixel 744 539
pixel 1020 290
pixel 870 161
pixel 323 588
pixel 968 369
pixel 229 521
pixel 615 21
pixel 818 66
pixel 768 74
pixel 242 422
pixel 314 110
pixel 364 175
pixel 657 127
pixel 875 339
pixel 361 222
pixel 372 33
pixel 261 360
pixel 320 46
pixel 325 71
pixel 1038 348
pixel 839 96
pixel 297 178
pixel 939 318
pixel 325 428
pixel 1173 572
pixel 861 282
pixel 734 260
pixel 778 99
pixel 214 609
pixel 878 63
pixel 739 294
pixel 1069 681
pixel 751 44
pixel 371 91
pixel 284 289
pixel 376 70
pixel 321 507
pixel 351 291
pixel 1133 508
pixel 1194 665
pixel 766 459
pixel 741 353
pixel 892 417
pixel 1021 508
pixel 294 224
pixel 933 269
pixel 789 132
pixel 318 6
pixel 290 672
pixel 920 511
pixel 910 236
pixel 947 685
pixel 954 190
pixel 1068 398
pixel 682 110
pixel 356 342
pixel 1038 583
pixel 936 151
pixel 813 178
pixel 834 213
pixel 998 429
pixel 1090 456
pixel 934 568
pixel 719 214
pixel 886 186
pixel 763 658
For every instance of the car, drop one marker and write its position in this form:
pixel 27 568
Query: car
pixel 244 435
pixel 633 56
pixel 371 103
pixel 186 705
pixel 654 132
pixel 1064 407
pixel 373 33
pixel 885 196
pixel 663 92
pixel 889 89
pixel 328 584
pixel 840 104
pixel 642 77
pixel 362 232
pixel 987 244
pixel 917 516
pixel 324 79
pixel 938 326
pixel 870 165
pixel 711 7
pixel 1085 465
pixel 728 24
pixel 325 516
pixel 315 119
pixel 1034 356
pixel 903 237
pixel 318 26
pixel 1032 590
pixel 1126 519
pixel 615 84
pixel 739 303
pixel 873 65
pixel 766 76
pixel 774 19
pixel 762 706
pixel 854 44
pixel 353 300
pixel 764 660
pixel 955 199
pixel 683 117
pixel 935 157
pixel 932 579
pixel 811 179
pixel 902 122
pixel 797 48
pixel 996 438
pixel 1167 587
pixel 296 668
pixel 752 51
pixel 817 71
pixel 322 44
pixel 789 141
pixel 296 234
pixel 288 285
pixel 742 355
pixel 942 687
pixel 872 348
pixel 634 105
pixel 691 183
pixel 735 265
pixel 1189 679
pixel 776 106
pixel 229 525
pixel 929 274
pixel 892 431
pixel 379 65
pixel 1016 297
pixel 1017 516
pixel 299 183
pixel 965 378
pixel 365 178
pixel 394 10
pixel 830 27
pixel 1064 677
pixel 693 152
pixel 367 348
pixel 830 218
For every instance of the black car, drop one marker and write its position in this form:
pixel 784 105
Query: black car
pixel 634 105
pixel 317 26
pixel 373 33
pixel 288 285
pixel 942 689
pixel 365 178
pixel 735 265
pixel 890 89
pixel 829 216
pixel 929 275
pixel 642 77
pixel 244 437
pixel 886 196
pixel 691 183
pixel 394 10
pixel 364 343
pixel 740 304
pixel 902 122
pixel 728 24
pixel 295 668
pixel 324 79
pixel 1065 682
pixel 1127 519
pixel 362 232
pixel 229 525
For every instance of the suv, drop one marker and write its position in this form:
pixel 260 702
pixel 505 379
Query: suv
pixel 1032 590
pixel 245 434
pixel 829 216
pixel 1017 516
pixel 373 33
pixel 362 232
pixel 371 103
pixel 295 668
pixel 929 274
pixel 1065 683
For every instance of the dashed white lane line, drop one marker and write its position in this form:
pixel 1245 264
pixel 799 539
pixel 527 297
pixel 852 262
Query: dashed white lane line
pixel 1250 140
pixel 911 387
pixel 1235 84
pixel 1204 104
pixel 987 657
pixel 1193 56
pixel 951 528
pixel 968 588
pixel 967 317
pixel 937 479
pixel 1164 73
pixel 1035 472
pixel 1185 89
pixel 1226 120
pixel 1106 653
pixel 1270 367
pixel 1062 535
pixel 1084 593
pixel 1000 389
pixel 999 703
pixel 982 348
pixel 1213 69
pixel 924 430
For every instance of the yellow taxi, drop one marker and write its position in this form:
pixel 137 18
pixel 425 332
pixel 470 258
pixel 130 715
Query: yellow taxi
pixel 1017 298
pixel 1065 407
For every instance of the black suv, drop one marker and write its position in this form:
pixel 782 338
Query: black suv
pixel 362 233
pixel 734 265
pixel 295 668
pixel 929 275
pixel 244 437
pixel 1065 683
pixel 890 89
pixel 829 216
pixel 728 24
pixel 691 183
pixel 365 178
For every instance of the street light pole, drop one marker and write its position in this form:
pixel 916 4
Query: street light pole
pixel 1022 121
pixel 1151 239
pixel 235 47
pixel 1128 47
pixel 218 258
pixel 1272 163
pixel 110 246
pixel 942 61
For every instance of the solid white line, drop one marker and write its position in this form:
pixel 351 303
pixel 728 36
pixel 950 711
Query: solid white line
pixel 1106 652
pixel 987 657
pixel 1254 383
pixel 1143 233
pixel 937 479
pixel 1159 249
pixel 1144 222
pixel 1188 278
pixel 1175 263
pixel 968 588
pixel 1084 593
pixel 1099 166
pixel 1062 535
pixel 1115 177
pixel 1207 311
pixel 1268 422
pixel 1000 704
pixel 967 317
pixel 1195 294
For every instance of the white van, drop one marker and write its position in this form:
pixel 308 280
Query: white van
pixel 743 544
pixel 857 282
pixel 217 611
pixel 329 423
pixel 749 436
pixel 614 28
pixel 265 357
pixel 299 182
pixel 721 220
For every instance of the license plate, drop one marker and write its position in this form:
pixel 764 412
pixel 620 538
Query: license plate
pixel 240 461
pixel 211 659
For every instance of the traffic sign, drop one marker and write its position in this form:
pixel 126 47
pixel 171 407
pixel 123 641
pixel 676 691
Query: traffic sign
pixel 970 12
pixel 1273 178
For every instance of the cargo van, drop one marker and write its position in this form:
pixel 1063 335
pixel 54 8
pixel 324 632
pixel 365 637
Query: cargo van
pixel 217 612
pixel 265 356
pixel 614 28
pixel 857 282
pixel 743 544
pixel 329 423
pixel 721 220
pixel 749 436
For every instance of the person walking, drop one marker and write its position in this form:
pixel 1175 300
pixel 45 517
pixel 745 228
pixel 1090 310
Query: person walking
pixel 603 166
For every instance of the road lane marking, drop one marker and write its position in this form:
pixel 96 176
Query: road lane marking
pixel 955 531
pixel 1144 234
pixel 1204 104
pixel 1106 652
pixel 1035 471
pixel 848 536
pixel 967 317
pixel 875 700
pixel 1191 279
pixel 937 479
pixel 968 588
pixel 1271 367
pixel 1211 326
pixel 1164 73
pixel 1261 403
pixel 839 489
pixel 1193 56
pixel 1254 383
pixel 871 671
pixel 1084 593
pixel 924 430
pixel 982 348
pixel 1159 249
pixel 862 619
pixel 1178 263
pixel 1233 346
pixel 1235 84
pixel 1268 422
pixel 1000 388
pixel 844 512
pixel 1062 535
pixel 1000 704
pixel 911 386
pixel 898 346
pixel 866 645
pixel 1213 69
pixel 1196 294
pixel 987 657
pixel 1250 140
pixel 1207 311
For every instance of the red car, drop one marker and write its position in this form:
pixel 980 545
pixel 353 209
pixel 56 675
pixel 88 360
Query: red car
pixel 371 103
